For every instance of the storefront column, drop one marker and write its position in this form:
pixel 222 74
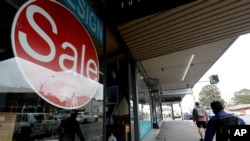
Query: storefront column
pixel 155 121
pixel 135 102
pixel 172 108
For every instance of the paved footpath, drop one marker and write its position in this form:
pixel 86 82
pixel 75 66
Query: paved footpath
pixel 178 130
pixel 174 130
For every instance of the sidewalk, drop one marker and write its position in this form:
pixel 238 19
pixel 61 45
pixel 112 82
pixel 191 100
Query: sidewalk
pixel 174 130
pixel 152 136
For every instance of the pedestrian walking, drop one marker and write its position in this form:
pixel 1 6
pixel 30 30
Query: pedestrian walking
pixel 220 123
pixel 69 128
pixel 200 117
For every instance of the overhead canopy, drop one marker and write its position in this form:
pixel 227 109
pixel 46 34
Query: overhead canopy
pixel 164 42
pixel 12 79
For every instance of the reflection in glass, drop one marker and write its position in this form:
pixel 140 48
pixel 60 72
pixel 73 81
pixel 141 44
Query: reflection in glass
pixel 32 121
pixel 144 113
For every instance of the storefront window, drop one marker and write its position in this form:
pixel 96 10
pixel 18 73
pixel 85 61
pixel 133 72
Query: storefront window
pixel 144 106
pixel 36 112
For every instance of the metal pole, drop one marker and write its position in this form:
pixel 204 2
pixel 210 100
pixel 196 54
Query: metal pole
pixel 172 108
pixel 155 123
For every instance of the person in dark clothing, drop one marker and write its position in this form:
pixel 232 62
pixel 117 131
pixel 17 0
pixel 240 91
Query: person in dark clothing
pixel 69 128
pixel 212 125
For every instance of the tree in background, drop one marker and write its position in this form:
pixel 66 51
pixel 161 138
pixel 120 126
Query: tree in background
pixel 241 97
pixel 208 94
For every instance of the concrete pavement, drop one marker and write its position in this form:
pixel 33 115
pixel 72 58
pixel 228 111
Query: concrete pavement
pixel 178 130
pixel 174 130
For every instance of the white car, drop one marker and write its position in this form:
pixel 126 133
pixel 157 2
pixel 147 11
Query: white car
pixel 63 114
pixel 238 114
pixel 84 117
pixel 34 124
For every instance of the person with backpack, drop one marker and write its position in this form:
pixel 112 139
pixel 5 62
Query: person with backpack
pixel 200 117
pixel 220 123
pixel 69 127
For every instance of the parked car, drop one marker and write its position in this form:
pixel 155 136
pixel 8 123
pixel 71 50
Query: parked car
pixel 32 125
pixel 238 114
pixel 84 117
pixel 177 114
pixel 63 114
pixel 187 116
pixel 210 114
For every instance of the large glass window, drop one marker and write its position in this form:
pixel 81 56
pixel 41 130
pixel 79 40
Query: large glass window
pixel 25 115
pixel 144 106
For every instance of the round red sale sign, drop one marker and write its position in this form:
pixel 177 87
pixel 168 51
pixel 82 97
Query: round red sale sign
pixel 55 53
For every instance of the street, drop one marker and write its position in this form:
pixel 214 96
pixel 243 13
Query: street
pixel 93 131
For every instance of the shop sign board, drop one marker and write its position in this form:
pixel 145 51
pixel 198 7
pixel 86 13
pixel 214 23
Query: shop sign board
pixel 85 13
pixel 177 91
pixel 55 53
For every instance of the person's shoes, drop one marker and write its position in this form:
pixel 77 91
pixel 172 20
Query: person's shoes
pixel 201 139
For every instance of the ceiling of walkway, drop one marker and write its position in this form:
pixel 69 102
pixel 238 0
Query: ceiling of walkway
pixel 164 42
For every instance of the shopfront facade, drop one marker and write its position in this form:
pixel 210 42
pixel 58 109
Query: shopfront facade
pixel 52 65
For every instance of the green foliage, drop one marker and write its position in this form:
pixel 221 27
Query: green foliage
pixel 242 97
pixel 208 94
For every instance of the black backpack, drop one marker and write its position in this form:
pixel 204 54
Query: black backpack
pixel 223 127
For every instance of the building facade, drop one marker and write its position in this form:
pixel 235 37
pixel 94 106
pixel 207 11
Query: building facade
pixel 55 59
